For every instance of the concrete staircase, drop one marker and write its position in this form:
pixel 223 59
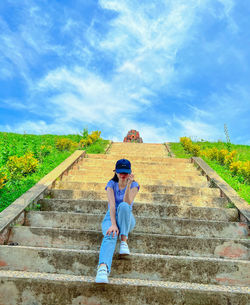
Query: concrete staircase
pixel 186 248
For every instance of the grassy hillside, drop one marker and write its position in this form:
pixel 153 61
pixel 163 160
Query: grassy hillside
pixel 47 153
pixel 235 181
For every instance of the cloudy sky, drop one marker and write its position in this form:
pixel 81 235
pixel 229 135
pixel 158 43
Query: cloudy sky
pixel 168 68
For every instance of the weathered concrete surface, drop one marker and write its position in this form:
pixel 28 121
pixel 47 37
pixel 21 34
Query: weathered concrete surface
pixel 15 212
pixel 136 158
pixel 143 197
pixel 137 162
pixel 141 209
pixel 138 242
pixel 170 226
pixel 162 170
pixel 151 173
pixel 143 266
pixel 82 175
pixel 106 164
pixel 144 188
pixel 170 181
pixel 50 289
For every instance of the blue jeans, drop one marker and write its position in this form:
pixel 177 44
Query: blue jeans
pixel 125 221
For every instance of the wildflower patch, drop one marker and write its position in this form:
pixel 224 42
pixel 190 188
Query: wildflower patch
pixel 22 166
pixel 222 156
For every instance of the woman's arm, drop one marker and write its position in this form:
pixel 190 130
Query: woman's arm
pixel 111 199
pixel 130 194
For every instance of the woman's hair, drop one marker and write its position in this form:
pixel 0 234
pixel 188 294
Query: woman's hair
pixel 115 178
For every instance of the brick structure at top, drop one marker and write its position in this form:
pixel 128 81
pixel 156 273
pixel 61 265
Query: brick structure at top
pixel 133 136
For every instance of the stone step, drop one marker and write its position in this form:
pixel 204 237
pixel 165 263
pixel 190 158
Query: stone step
pixel 26 288
pixel 145 189
pixel 198 181
pixel 160 198
pixel 138 242
pixel 135 157
pixel 139 169
pixel 126 154
pixel 135 145
pixel 141 209
pixel 138 153
pixel 132 158
pixel 137 266
pixel 163 225
pixel 161 151
pixel 142 177
pixel 137 164
pixel 143 170
pixel 133 150
pixel 93 171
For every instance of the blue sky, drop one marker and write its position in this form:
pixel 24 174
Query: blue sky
pixel 166 68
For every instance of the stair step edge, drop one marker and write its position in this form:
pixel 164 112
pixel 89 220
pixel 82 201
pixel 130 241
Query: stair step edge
pixel 134 254
pixel 121 282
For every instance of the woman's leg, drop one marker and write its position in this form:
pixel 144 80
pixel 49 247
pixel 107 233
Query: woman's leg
pixel 125 220
pixel 108 244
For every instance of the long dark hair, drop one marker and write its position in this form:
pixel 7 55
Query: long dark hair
pixel 115 178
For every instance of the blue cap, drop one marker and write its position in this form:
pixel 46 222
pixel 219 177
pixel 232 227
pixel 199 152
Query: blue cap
pixel 123 166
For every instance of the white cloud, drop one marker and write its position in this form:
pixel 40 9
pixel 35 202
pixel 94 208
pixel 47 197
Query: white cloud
pixel 148 132
pixel 39 127
pixel 224 12
pixel 231 103
pixel 145 46
pixel 199 113
pixel 197 129
pixel 21 47
pixel 83 96
pixel 69 25
pixel 12 104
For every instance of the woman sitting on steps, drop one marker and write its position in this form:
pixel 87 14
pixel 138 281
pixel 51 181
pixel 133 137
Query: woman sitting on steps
pixel 121 191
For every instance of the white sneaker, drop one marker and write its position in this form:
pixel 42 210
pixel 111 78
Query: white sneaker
pixel 102 275
pixel 124 248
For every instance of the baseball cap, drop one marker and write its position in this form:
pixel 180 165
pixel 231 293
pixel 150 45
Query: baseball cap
pixel 123 166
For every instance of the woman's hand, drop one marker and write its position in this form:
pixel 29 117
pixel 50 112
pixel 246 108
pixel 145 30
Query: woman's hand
pixel 130 178
pixel 113 229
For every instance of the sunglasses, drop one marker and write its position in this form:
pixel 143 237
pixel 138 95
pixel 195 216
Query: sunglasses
pixel 124 173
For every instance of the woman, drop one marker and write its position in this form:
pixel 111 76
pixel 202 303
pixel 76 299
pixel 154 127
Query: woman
pixel 121 191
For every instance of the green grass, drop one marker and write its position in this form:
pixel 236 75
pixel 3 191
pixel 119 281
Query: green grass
pixel 17 144
pixel 243 152
pixel 178 150
pixel 242 189
pixel 98 147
